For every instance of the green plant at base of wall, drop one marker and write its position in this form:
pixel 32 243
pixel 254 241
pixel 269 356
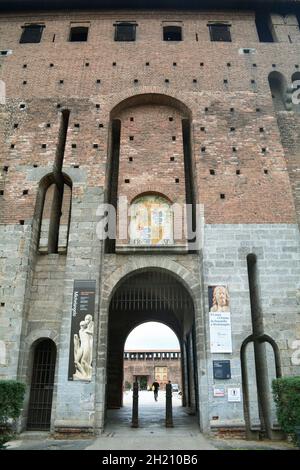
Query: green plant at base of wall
pixel 11 401
pixel 286 392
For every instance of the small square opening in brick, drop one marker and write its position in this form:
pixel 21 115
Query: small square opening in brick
pixel 131 137
pixel 74 146
pixel 147 64
pixel 174 64
pixel 261 129
pixel 130 159
pixel 132 119
pixel 48 124
pixel 167 80
pixel 222 196
pixel 202 129
pixel 234 149
pixel 77 125
pixel 101 125
pixel 12 146
pixel 176 180
pixel 266 172
pixel 76 166
pixel 2 304
pixel 135 80
pixel 44 146
pixel 195 80
pixel 24 66
pixel 16 126
pixel 228 64
pixel 25 192
pixel 1 192
pixel 61 81
pixel 232 129
pixel 98 80
pixel 172 159
pixel 5 169
pixel 21 222
pixel 127 181
pixel 173 138
pixel 212 172
pixel 238 172
pixel 203 149
pixel 97 106
pixel 95 146
pixel 201 64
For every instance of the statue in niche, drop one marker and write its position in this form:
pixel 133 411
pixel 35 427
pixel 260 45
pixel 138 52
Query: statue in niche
pixel 83 349
pixel 220 300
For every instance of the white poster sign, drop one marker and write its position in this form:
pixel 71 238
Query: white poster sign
pixel 234 394
pixel 220 332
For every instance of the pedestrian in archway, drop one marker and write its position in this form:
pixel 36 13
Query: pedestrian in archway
pixel 155 387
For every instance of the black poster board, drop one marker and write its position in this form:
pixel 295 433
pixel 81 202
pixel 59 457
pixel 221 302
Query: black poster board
pixel 83 304
pixel 222 369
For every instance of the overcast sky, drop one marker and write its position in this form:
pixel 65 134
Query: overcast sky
pixel 152 335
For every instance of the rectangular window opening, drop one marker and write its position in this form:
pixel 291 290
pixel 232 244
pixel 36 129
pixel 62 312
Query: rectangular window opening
pixel 79 34
pixel 172 33
pixel 220 32
pixel 125 32
pixel 32 33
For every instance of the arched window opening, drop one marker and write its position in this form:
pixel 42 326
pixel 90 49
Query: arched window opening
pixel 151 221
pixel 278 88
pixel 55 218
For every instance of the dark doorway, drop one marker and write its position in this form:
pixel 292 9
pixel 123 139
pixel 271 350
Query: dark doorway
pixel 42 383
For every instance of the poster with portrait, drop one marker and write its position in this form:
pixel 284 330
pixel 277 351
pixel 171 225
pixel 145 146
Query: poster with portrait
pixel 219 319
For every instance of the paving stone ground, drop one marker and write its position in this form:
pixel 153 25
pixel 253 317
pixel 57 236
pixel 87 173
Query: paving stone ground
pixel 151 435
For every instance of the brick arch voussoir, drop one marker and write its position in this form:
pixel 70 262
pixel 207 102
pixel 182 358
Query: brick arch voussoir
pixel 189 281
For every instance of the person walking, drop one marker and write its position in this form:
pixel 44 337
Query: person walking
pixel 155 387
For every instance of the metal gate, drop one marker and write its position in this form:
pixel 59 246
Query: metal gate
pixel 42 382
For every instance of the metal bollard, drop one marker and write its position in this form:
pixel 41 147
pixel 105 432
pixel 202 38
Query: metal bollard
pixel 135 406
pixel 169 410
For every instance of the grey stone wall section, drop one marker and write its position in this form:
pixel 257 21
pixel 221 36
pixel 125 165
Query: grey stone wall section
pixel 14 269
pixel 278 260
pixel 75 399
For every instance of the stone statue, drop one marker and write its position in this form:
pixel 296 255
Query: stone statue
pixel 83 349
pixel 220 299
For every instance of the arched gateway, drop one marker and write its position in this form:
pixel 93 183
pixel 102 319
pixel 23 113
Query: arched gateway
pixel 153 294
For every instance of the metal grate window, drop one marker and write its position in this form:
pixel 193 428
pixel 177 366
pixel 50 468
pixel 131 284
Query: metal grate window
pixel 31 34
pixel 125 32
pixel 220 32
pixel 41 392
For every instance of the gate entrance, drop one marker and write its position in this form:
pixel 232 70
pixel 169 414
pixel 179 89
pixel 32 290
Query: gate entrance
pixel 42 383
pixel 151 296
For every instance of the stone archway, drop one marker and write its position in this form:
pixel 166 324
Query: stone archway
pixel 190 329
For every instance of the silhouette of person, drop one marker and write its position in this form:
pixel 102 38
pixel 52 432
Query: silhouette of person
pixel 155 386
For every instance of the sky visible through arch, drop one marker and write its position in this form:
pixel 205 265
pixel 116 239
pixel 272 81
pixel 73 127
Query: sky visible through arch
pixel 152 335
